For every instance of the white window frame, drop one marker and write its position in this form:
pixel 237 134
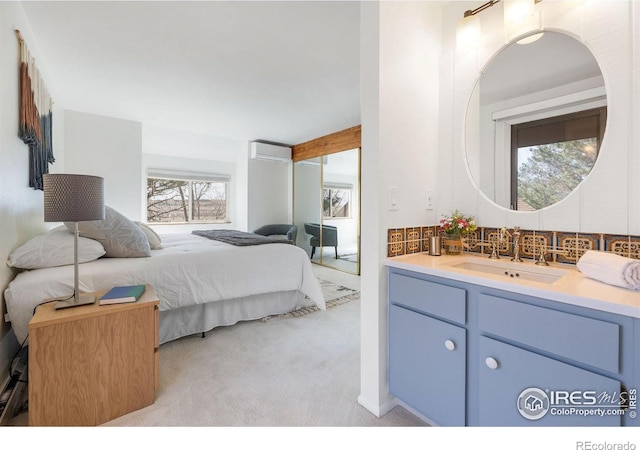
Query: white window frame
pixel 344 187
pixel 192 177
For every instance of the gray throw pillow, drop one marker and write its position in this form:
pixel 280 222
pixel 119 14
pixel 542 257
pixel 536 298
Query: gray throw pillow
pixel 155 242
pixel 120 237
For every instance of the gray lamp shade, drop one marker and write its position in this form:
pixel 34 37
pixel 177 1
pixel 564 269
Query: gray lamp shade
pixel 73 198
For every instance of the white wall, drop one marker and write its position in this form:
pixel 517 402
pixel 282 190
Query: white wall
pixel 110 148
pixel 21 207
pixel 609 199
pixel 242 189
pixel 269 193
pixel 400 58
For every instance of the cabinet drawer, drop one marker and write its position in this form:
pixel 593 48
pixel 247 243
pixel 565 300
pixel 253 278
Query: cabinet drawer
pixel 431 298
pixel 589 341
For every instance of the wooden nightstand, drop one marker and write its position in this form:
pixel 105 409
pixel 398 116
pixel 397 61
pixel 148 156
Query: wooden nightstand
pixel 90 364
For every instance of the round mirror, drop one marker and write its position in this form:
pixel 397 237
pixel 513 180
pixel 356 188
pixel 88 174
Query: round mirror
pixel 535 121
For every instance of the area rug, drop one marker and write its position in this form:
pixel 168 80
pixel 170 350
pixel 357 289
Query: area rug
pixel 350 257
pixel 334 295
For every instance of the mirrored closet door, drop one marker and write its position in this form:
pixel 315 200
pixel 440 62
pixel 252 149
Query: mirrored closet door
pixel 326 209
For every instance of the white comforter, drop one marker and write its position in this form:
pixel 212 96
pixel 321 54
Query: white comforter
pixel 188 270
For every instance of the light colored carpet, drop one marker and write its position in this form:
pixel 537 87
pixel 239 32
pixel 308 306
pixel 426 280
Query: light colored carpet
pixel 296 371
pixel 334 295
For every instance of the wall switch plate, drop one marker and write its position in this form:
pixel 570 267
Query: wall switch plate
pixel 393 198
pixel 431 199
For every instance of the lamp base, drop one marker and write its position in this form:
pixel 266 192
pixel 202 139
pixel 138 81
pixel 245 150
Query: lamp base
pixel 84 299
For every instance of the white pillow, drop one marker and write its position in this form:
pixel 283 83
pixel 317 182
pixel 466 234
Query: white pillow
pixel 120 237
pixel 154 238
pixel 53 249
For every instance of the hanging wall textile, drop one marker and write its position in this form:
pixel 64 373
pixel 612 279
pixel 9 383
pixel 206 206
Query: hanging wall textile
pixel 35 126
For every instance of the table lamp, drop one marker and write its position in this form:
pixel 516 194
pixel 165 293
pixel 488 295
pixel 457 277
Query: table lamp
pixel 73 198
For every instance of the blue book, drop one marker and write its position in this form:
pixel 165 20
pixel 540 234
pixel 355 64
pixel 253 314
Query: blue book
pixel 122 294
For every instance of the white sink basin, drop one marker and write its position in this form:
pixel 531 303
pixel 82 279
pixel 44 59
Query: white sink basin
pixel 512 271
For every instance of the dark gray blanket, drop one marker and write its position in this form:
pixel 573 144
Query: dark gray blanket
pixel 239 238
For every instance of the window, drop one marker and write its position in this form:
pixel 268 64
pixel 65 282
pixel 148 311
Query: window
pixel 336 201
pixel 180 198
pixel 550 157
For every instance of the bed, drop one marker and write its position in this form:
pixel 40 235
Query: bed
pixel 201 283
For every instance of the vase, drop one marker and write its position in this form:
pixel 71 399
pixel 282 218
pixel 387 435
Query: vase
pixel 453 245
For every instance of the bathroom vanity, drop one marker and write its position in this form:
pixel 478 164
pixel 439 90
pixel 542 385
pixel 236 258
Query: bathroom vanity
pixel 492 343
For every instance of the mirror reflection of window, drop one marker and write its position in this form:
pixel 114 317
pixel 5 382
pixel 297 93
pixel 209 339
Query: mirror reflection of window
pixel 567 79
pixel 336 202
pixel 327 194
pixel 551 157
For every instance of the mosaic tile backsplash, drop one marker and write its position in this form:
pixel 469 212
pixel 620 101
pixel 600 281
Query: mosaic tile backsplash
pixel 560 246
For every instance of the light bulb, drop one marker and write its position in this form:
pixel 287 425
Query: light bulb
pixel 468 31
pixel 515 11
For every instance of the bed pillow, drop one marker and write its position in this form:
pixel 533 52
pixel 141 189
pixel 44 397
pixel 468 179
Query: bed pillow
pixel 155 243
pixel 120 237
pixel 53 249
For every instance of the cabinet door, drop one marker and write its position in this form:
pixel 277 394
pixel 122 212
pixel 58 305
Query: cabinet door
pixel 427 365
pixel 549 392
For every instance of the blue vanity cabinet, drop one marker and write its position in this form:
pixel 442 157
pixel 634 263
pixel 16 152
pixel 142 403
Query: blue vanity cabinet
pixel 466 354
pixel 427 348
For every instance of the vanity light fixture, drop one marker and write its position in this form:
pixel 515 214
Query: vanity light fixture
pixel 521 18
pixel 517 10
pixel 518 15
pixel 468 29
pixel 473 12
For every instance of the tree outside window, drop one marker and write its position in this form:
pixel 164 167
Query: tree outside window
pixel 548 173
pixel 336 202
pixel 179 201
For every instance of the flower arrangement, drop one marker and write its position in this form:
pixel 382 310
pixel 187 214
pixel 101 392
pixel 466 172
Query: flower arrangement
pixel 457 224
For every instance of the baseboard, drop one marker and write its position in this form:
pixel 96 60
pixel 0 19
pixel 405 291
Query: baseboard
pixel 380 410
pixel 376 409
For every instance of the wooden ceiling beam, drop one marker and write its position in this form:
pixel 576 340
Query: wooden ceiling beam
pixel 332 143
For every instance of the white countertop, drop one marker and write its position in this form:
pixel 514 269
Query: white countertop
pixel 572 288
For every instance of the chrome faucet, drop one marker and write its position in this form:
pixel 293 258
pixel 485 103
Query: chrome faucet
pixel 516 245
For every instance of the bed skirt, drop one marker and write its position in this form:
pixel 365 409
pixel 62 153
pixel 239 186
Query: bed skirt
pixel 193 319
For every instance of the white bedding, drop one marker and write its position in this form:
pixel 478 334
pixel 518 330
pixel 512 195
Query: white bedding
pixel 188 270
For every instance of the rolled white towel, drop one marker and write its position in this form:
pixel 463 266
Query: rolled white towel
pixel 611 269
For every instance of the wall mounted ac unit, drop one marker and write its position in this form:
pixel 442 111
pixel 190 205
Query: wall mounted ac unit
pixel 260 150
